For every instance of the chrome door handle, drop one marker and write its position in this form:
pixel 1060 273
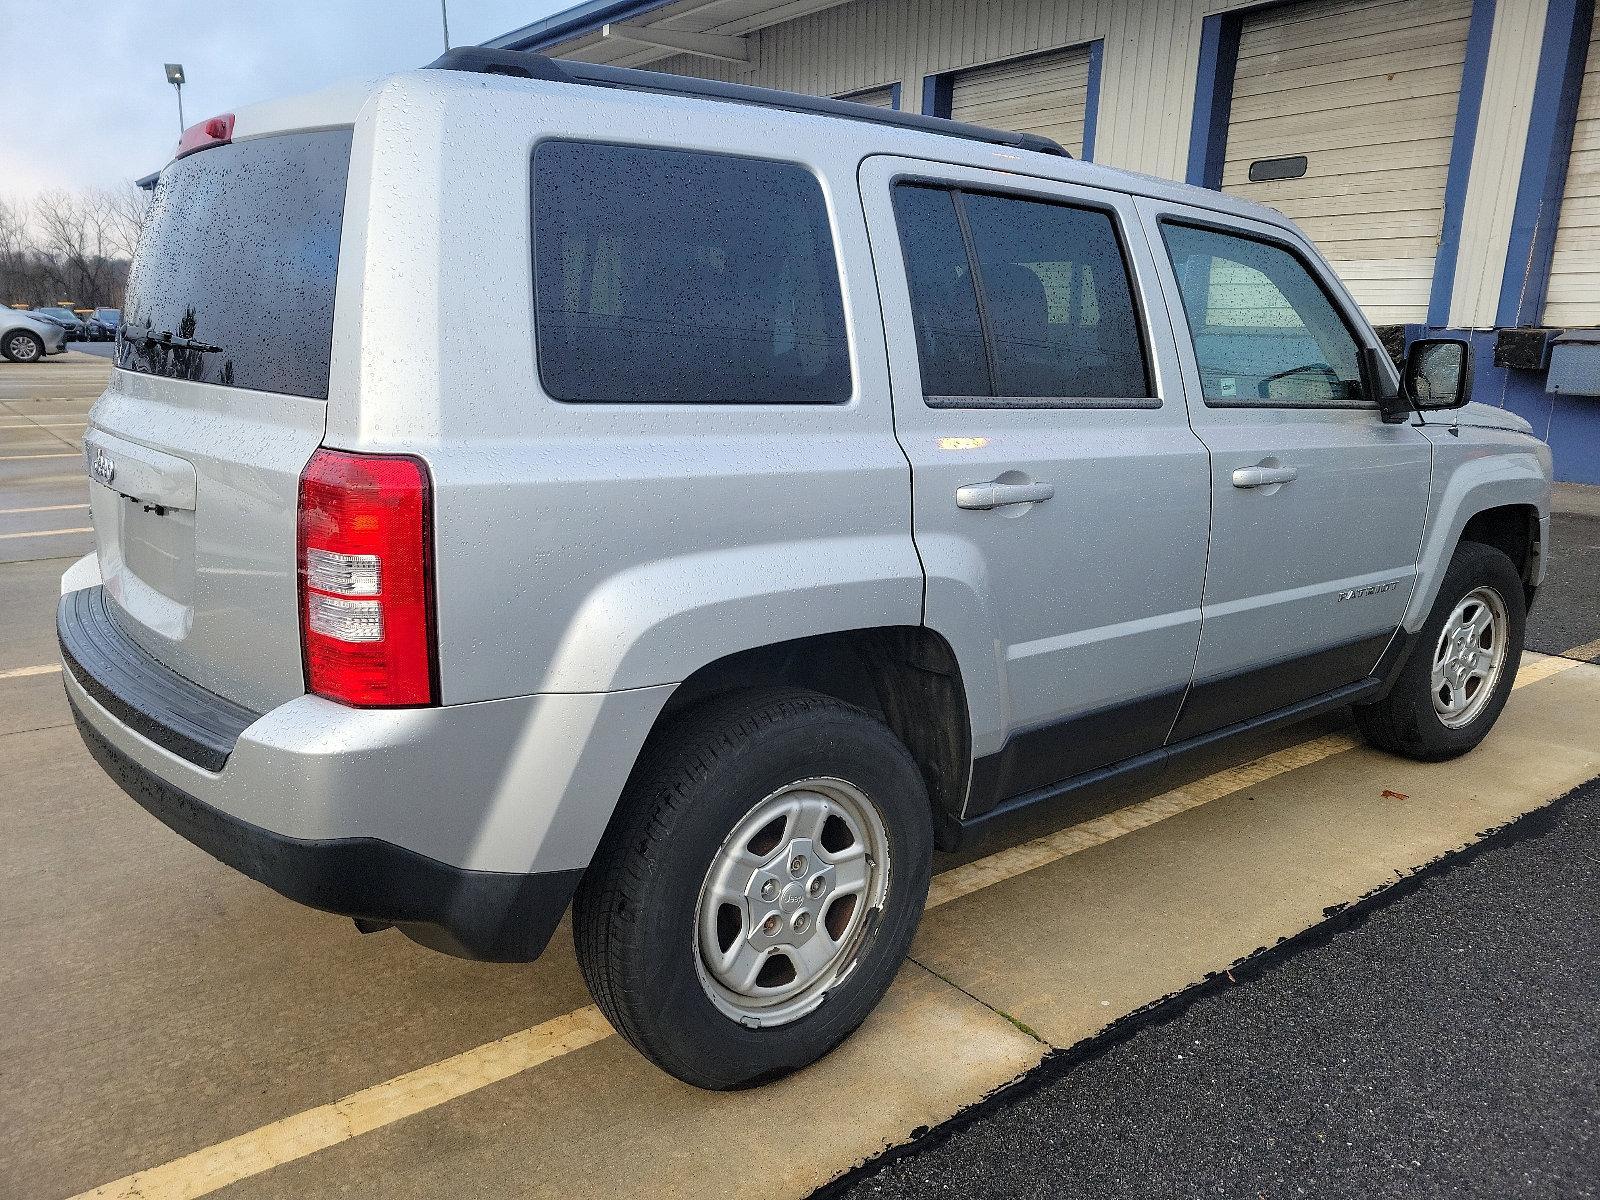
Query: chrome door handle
pixel 995 494
pixel 1254 477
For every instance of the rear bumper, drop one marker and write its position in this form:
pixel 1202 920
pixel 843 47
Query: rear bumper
pixel 489 915
pixel 467 826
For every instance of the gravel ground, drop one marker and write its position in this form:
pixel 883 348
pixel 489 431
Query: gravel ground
pixel 1438 1041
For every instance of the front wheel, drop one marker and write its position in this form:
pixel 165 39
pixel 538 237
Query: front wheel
pixel 21 346
pixel 759 887
pixel 1460 672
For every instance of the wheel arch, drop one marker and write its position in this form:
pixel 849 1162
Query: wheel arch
pixel 1514 530
pixel 1498 499
pixel 905 675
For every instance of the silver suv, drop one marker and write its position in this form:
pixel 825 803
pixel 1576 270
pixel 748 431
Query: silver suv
pixel 857 479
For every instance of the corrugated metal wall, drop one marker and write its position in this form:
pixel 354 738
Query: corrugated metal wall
pixel 1147 82
pixel 1497 160
pixel 1147 85
pixel 1575 269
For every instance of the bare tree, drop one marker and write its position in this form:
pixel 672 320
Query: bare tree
pixel 13 249
pixel 126 208
pixel 69 247
pixel 88 239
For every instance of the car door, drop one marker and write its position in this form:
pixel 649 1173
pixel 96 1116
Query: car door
pixel 1059 496
pixel 1317 504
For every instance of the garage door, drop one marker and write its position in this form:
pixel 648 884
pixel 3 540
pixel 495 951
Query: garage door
pixel 877 97
pixel 1344 113
pixel 1574 296
pixel 1043 94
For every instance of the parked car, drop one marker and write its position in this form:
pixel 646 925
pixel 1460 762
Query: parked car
pixel 27 337
pixel 96 329
pixel 66 318
pixel 104 323
pixel 868 478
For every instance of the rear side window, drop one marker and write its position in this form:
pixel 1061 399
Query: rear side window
pixel 234 278
pixel 1020 302
pixel 1265 330
pixel 677 277
pixel 944 301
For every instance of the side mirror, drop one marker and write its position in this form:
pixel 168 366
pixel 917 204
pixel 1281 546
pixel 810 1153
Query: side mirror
pixel 1438 373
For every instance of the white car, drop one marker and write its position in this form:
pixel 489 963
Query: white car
pixel 28 337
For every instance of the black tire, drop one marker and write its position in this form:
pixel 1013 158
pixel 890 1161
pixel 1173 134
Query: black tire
pixel 634 916
pixel 1405 722
pixel 20 346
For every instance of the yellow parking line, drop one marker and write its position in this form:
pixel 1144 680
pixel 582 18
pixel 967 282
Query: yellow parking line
pixel 1018 860
pixel 294 1137
pixel 7 512
pixel 22 457
pixel 24 672
pixel 372 1108
pixel 47 532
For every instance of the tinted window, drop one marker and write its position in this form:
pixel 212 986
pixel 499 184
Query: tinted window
pixel 1052 320
pixel 944 306
pixel 672 277
pixel 237 261
pixel 1265 331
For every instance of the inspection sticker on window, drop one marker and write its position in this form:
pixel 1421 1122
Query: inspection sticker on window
pixel 1227 385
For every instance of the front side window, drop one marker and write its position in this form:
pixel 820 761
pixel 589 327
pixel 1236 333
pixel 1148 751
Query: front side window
pixel 1265 331
pixel 1020 302
pixel 678 277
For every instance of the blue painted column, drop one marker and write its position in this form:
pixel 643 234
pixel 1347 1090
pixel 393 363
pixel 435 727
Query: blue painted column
pixel 1463 141
pixel 1213 98
pixel 1091 100
pixel 1544 163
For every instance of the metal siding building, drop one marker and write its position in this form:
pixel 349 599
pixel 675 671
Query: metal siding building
pixel 1445 154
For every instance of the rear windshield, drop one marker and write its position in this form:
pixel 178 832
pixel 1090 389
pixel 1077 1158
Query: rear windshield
pixel 233 282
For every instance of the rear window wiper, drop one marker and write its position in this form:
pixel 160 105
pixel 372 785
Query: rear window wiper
pixel 146 337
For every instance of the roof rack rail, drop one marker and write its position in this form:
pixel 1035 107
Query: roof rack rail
pixel 524 64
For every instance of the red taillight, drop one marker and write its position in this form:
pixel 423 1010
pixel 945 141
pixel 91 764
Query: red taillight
pixel 214 131
pixel 366 579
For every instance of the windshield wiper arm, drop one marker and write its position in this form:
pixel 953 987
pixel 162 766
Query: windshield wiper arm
pixel 145 337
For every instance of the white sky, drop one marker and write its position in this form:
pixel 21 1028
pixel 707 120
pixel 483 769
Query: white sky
pixel 84 101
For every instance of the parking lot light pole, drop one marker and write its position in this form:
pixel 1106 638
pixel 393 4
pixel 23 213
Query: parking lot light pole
pixel 175 78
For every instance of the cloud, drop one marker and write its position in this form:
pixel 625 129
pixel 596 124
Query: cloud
pixel 87 103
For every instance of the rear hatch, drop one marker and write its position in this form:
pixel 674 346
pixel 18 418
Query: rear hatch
pixel 218 401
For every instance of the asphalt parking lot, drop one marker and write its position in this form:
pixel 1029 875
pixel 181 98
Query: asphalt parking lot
pixel 175 1030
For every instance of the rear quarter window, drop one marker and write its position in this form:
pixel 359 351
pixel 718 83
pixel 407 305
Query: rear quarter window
pixel 680 277
pixel 233 282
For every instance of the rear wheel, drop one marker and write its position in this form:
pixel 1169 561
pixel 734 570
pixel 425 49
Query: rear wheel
pixel 759 888
pixel 22 347
pixel 1460 672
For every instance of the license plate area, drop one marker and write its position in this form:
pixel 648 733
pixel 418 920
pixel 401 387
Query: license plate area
pixel 143 502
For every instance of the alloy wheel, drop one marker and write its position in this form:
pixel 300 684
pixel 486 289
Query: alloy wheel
pixel 789 899
pixel 1469 657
